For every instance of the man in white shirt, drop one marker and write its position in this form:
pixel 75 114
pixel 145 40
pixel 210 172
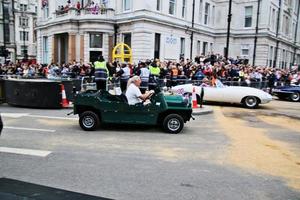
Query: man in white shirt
pixel 133 93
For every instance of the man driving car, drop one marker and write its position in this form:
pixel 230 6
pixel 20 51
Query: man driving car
pixel 133 93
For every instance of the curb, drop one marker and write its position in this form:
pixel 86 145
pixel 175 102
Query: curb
pixel 202 111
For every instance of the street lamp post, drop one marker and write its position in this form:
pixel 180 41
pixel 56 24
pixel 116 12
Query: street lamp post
pixel 228 29
pixel 256 32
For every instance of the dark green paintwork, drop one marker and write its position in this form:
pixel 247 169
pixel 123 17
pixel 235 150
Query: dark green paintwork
pixel 112 109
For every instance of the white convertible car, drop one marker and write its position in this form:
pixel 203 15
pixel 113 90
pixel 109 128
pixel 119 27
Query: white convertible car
pixel 249 97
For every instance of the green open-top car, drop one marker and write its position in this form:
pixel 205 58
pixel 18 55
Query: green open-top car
pixel 97 107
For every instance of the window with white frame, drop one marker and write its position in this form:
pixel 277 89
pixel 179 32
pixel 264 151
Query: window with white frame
pixel 23 22
pixel 182 46
pixel 96 40
pixel 24 50
pixel 23 35
pixel 287 25
pixel 248 16
pixel 127 38
pixel 126 5
pixel 213 16
pixel 200 11
pixel 198 47
pixel 158 5
pixel 205 48
pixel 271 53
pixel 206 13
pixel 45 50
pixel 23 7
pixel 273 19
pixel 45 12
pixel 245 50
pixel 172 7
pixel 183 11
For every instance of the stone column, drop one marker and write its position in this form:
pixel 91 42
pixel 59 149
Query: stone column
pixel 82 48
pixel 72 47
pixel 54 49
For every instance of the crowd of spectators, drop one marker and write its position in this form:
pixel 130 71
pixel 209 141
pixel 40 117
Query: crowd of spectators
pixel 91 7
pixel 202 67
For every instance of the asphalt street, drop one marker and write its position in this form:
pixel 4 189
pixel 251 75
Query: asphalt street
pixel 232 153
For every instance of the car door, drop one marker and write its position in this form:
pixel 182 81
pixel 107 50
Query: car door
pixel 213 94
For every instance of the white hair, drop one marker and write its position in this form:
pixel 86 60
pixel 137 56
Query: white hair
pixel 132 80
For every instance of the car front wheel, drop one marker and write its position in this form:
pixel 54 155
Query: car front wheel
pixel 173 123
pixel 89 121
pixel 295 97
pixel 251 102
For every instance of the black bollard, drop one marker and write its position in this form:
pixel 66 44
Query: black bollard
pixel 201 97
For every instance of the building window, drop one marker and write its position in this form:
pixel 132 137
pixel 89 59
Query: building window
pixel 286 23
pixel 45 50
pixel 6 17
pixel 183 12
pixel 206 13
pixel 96 40
pixel 271 56
pixel 211 48
pixel 127 38
pixel 200 11
pixel 245 50
pixel 24 51
pixel 127 5
pixel 172 6
pixel 198 47
pixel 158 5
pixel 46 12
pixel 273 18
pixel 182 47
pixel 23 7
pixel 23 22
pixel 23 35
pixel 204 48
pixel 248 16
pixel 213 16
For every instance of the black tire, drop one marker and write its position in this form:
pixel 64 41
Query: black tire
pixel 89 121
pixel 251 102
pixel 295 97
pixel 173 123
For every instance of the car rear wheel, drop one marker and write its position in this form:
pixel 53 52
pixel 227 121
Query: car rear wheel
pixel 173 123
pixel 251 102
pixel 295 97
pixel 89 121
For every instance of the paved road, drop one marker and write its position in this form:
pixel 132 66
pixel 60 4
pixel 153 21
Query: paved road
pixel 233 153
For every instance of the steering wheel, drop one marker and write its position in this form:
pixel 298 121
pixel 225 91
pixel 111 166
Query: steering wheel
pixel 150 95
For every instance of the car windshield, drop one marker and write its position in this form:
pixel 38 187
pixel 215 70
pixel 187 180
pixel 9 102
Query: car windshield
pixel 219 84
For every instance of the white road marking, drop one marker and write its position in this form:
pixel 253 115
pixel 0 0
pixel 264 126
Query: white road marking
pixel 30 152
pixel 52 117
pixel 14 115
pixel 28 129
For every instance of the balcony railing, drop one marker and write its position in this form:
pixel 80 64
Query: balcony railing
pixel 95 12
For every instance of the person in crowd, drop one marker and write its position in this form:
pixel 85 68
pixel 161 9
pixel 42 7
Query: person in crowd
pixel 124 74
pixel 101 73
pixel 144 74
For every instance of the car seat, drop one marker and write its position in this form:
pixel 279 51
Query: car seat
pixel 124 98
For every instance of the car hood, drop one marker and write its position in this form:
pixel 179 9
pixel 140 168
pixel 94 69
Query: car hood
pixel 176 101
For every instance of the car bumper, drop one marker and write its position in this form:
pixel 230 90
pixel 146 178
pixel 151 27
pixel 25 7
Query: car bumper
pixel 267 99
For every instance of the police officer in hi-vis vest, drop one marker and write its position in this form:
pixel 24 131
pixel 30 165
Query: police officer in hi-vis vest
pixel 154 75
pixel 101 73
